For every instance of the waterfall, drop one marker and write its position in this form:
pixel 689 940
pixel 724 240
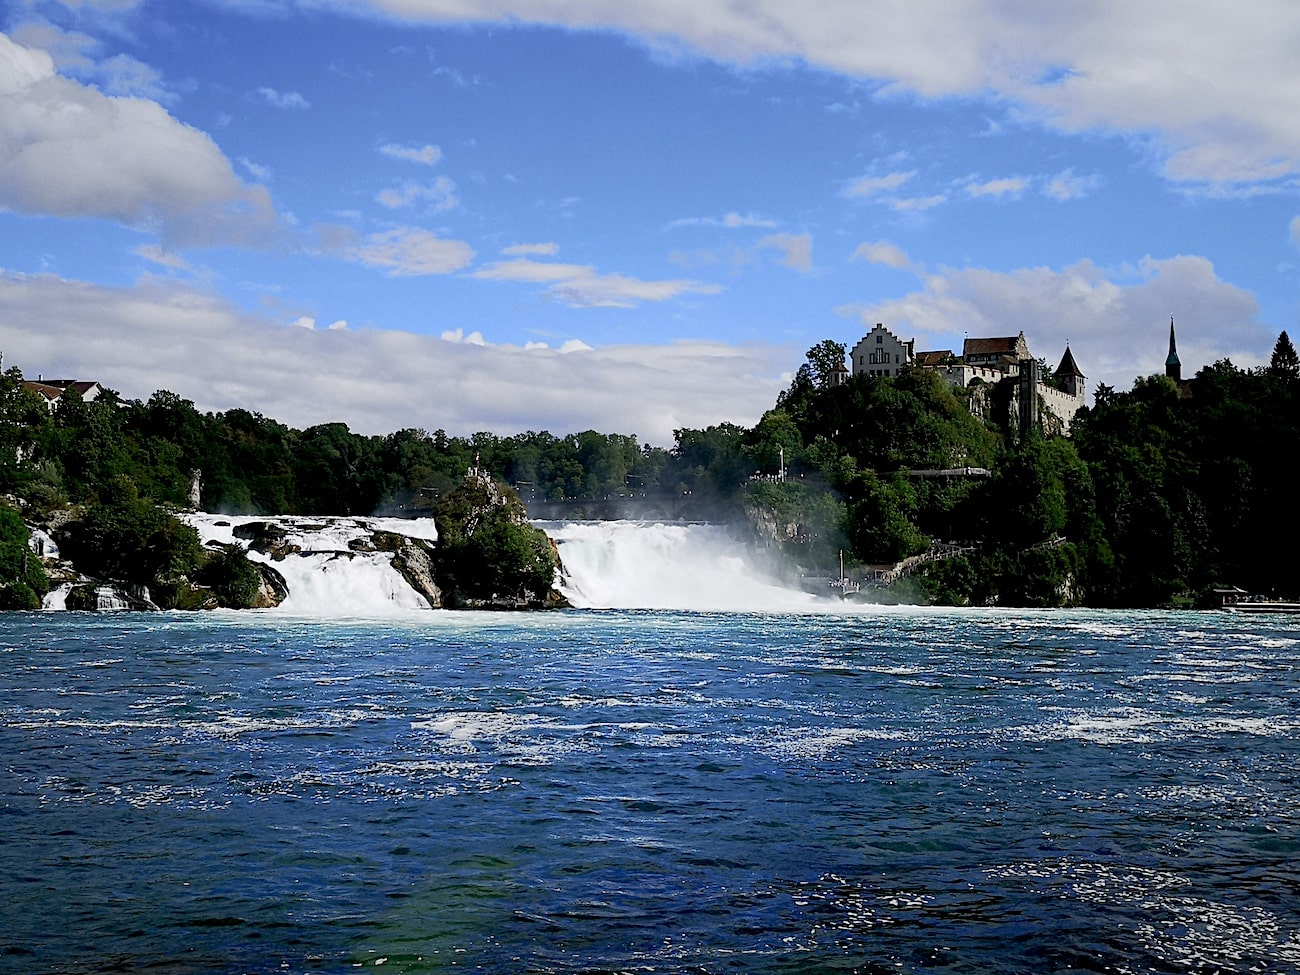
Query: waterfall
pixel 332 566
pixel 329 565
pixel 651 565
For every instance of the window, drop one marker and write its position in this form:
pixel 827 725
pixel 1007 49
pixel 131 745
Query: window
pixel 880 339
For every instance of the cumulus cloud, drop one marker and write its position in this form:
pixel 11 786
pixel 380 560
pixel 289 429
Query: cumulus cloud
pixel 881 252
pixel 284 100
pixel 68 150
pixel 1212 85
pixel 440 194
pixel 142 339
pixel 458 335
pixel 424 155
pixel 411 251
pixel 1116 320
pixel 581 286
pixel 796 248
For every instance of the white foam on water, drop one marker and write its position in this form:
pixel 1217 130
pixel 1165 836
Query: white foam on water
pixel 43 544
pixel 57 599
pixel 657 565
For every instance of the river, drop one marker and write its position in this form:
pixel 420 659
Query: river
pixel 650 791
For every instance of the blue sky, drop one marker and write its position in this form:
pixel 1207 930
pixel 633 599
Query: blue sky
pixel 573 214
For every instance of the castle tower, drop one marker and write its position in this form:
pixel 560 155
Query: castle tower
pixel 1173 367
pixel 1070 375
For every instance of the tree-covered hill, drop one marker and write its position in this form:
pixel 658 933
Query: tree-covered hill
pixel 1164 490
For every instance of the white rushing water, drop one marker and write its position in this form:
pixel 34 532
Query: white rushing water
pixel 328 576
pixel 650 565
pixel 331 569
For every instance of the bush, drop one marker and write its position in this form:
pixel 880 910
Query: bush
pixel 233 579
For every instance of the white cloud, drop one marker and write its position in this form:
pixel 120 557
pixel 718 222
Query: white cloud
pixel 581 286
pixel 458 335
pixel 881 252
pixel 124 75
pixel 541 250
pixel 1295 230
pixel 68 150
pixel 154 253
pixel 262 174
pixel 797 249
pixel 1009 187
pixel 1066 186
pixel 283 100
pixel 868 187
pixel 1116 321
pixel 70 50
pixel 534 272
pixel 1213 84
pixel 621 291
pixel 920 203
pixel 142 339
pixel 439 194
pixel 410 251
pixel 424 155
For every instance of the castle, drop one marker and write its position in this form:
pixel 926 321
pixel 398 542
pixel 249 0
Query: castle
pixel 985 364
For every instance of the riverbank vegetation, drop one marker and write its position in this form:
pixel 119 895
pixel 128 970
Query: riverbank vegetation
pixel 1162 490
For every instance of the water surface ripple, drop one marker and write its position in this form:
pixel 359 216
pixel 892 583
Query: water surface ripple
pixel 650 792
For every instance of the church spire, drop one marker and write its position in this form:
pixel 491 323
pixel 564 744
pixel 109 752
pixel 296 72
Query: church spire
pixel 1173 367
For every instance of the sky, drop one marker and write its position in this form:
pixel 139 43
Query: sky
pixel 510 215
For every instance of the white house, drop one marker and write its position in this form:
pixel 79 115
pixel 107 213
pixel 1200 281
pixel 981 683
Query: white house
pixel 881 353
pixel 50 390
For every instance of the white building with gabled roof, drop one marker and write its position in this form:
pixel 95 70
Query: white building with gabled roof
pixel 881 353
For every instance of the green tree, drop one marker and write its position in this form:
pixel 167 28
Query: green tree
pixel 127 538
pixel 1284 364
pixel 879 521
pixel 22 580
pixel 825 359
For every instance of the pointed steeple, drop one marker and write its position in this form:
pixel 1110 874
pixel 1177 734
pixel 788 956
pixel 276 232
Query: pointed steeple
pixel 1069 374
pixel 1068 366
pixel 1173 367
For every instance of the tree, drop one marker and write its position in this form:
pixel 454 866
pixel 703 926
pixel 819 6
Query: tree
pixel 127 538
pixel 826 358
pixel 1284 364
pixel 22 580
